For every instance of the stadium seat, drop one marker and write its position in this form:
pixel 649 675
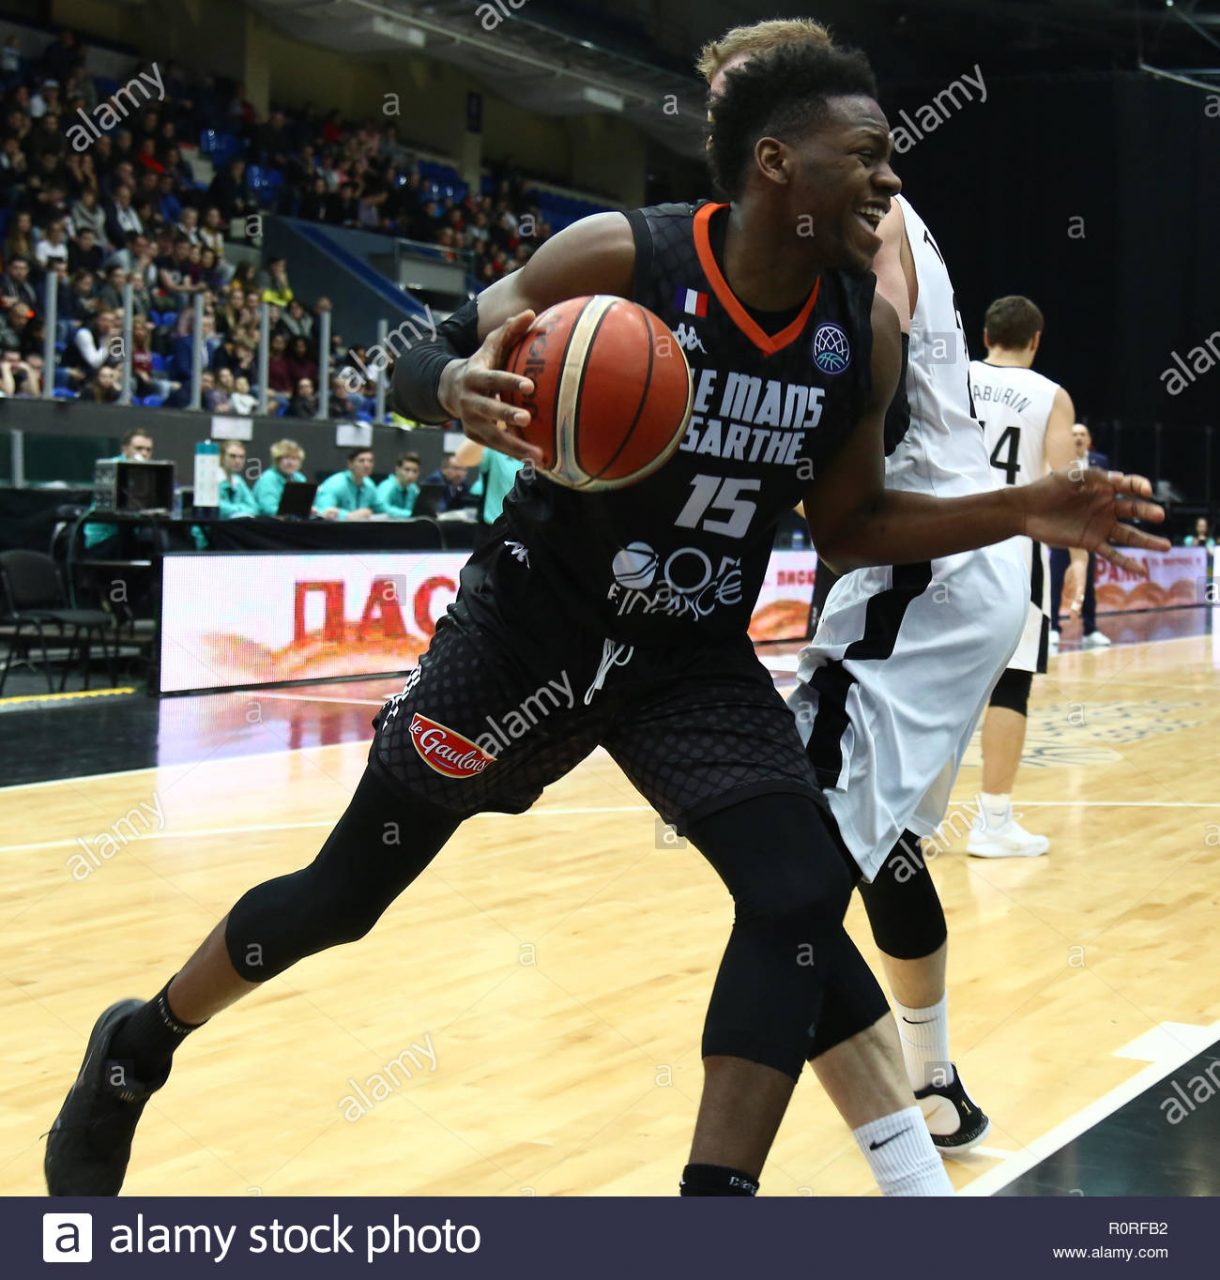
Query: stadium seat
pixel 152 402
pixel 159 363
pixel 218 145
pixel 265 183
pixel 65 393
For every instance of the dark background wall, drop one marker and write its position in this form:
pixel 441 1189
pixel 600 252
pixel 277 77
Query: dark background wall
pixel 1138 161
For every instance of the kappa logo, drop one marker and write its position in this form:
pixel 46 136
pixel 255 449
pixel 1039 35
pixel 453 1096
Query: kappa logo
pixel 688 339
pixel 447 751
pixel 831 349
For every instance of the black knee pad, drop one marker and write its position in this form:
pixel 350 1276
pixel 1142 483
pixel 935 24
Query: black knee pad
pixel 904 909
pixel 1012 691
pixel 790 888
pixel 380 844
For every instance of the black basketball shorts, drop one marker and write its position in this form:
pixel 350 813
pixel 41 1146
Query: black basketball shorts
pixel 498 709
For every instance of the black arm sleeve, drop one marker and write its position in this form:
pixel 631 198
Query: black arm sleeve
pixel 417 372
pixel 641 233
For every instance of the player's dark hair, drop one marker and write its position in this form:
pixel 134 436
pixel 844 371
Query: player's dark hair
pixel 1012 322
pixel 408 457
pixel 781 95
pixel 353 454
pixel 134 433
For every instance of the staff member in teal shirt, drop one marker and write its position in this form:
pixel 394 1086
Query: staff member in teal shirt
pixel 497 475
pixel 350 494
pixel 287 458
pixel 397 493
pixel 235 496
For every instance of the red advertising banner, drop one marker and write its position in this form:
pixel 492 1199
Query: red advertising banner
pixel 232 621
pixel 782 611
pixel 1176 578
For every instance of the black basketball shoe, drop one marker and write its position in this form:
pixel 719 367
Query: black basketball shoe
pixel 940 1103
pixel 89 1144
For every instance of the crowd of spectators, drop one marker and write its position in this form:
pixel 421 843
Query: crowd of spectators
pixel 130 208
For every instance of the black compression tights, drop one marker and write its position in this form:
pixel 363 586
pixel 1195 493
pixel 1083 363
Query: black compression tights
pixel 379 846
pixel 791 984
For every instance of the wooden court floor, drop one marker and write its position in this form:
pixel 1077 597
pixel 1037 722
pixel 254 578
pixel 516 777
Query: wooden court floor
pixel 526 1019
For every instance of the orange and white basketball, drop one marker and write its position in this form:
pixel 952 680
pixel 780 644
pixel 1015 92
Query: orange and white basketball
pixel 612 391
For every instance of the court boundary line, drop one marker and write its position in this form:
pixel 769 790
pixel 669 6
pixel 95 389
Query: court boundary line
pixel 538 811
pixel 200 833
pixel 1088 1117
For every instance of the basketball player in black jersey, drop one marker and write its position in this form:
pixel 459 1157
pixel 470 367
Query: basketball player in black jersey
pixel 800 361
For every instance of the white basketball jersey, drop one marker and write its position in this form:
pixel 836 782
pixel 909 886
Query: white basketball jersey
pixel 942 453
pixel 895 731
pixel 1014 406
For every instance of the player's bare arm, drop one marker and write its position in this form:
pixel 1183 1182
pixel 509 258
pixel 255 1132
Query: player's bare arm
pixel 894 267
pixel 594 255
pixel 855 521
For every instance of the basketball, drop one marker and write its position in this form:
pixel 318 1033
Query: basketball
pixel 612 391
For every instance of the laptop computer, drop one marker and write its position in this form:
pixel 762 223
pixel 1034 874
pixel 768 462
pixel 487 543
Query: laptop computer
pixel 431 496
pixel 296 502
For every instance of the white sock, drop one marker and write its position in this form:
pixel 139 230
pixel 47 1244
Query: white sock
pixel 996 809
pixel 900 1153
pixel 925 1043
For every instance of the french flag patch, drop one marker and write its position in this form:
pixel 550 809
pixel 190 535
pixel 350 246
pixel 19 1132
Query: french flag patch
pixel 691 301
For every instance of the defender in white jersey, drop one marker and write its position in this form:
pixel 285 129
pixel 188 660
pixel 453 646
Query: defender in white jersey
pixel 899 673
pixel 1027 423
pixel 945 458
pixel 900 670
pixel 911 652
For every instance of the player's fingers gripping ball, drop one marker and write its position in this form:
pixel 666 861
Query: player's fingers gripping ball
pixel 612 391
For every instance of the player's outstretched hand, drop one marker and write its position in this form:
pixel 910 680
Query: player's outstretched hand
pixel 472 390
pixel 1083 507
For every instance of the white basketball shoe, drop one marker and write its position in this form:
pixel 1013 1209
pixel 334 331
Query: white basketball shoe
pixel 1002 836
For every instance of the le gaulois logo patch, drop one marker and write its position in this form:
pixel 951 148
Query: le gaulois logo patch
pixel 446 751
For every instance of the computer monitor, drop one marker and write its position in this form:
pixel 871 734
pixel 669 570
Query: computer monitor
pixel 120 485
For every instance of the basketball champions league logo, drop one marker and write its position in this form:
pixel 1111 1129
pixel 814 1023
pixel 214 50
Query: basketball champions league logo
pixel 831 350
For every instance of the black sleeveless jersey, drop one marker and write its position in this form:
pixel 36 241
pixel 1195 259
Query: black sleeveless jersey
pixel 680 557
